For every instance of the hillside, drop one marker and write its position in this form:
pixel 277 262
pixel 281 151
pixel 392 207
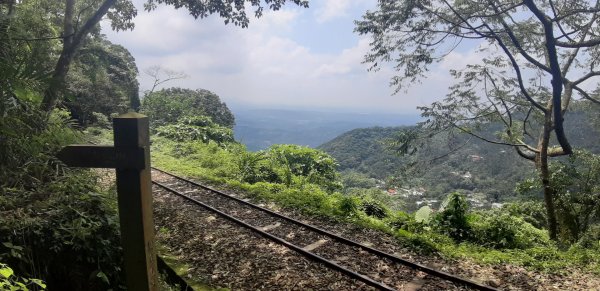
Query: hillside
pixel 363 150
pixel 485 171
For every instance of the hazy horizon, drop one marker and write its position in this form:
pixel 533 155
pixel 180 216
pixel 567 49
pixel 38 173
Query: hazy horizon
pixel 258 128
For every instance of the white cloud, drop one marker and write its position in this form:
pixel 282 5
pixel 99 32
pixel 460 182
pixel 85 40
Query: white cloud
pixel 265 64
pixel 332 9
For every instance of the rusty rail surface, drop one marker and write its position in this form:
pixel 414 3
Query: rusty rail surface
pixel 328 263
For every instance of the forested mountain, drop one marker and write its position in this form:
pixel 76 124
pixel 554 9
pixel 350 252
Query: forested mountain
pixel 450 162
pixel 364 150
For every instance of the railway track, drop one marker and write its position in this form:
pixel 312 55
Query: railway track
pixel 373 267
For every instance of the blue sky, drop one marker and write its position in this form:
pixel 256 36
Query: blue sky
pixel 295 57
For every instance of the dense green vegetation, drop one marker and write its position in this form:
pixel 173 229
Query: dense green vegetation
pixel 447 163
pixel 456 230
pixel 61 83
pixel 56 223
pixel 306 179
pixel 167 106
pixel 102 80
pixel 524 81
pixel 364 150
pixel 58 75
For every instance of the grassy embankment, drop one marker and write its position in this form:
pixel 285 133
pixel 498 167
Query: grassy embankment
pixel 489 237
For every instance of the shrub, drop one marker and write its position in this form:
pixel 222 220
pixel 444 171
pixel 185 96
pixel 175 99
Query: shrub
pixel 423 215
pixel 10 281
pixel 54 223
pixel 452 218
pixel 101 120
pixel 500 230
pixel 349 205
pixel 317 166
pixel 374 208
pixel 77 237
pixel 591 238
pixel 533 212
pixel 254 167
pixel 401 220
pixel 194 128
pixel 28 144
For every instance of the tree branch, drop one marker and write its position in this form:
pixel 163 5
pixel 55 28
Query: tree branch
pixel 521 145
pixel 582 44
pixel 527 155
pixel 586 95
pixel 517 44
pixel 557 84
pixel 507 52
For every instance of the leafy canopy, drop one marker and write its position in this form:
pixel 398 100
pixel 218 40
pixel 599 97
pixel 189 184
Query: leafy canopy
pixel 167 106
pixel 232 11
pixel 535 59
pixel 199 128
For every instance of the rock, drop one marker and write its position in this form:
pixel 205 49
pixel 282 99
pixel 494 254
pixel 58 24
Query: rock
pixel 494 283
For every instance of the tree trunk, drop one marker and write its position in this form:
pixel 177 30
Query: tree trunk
pixel 58 79
pixel 71 41
pixel 541 162
pixel 66 56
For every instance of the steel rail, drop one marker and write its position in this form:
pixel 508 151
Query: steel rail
pixel 416 266
pixel 287 244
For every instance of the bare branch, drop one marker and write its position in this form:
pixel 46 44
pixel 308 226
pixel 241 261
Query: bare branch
pixel 525 123
pixel 492 102
pixel 582 44
pixel 586 95
pixel 507 52
pixel 162 75
pixel 573 55
pixel 517 44
pixel 519 145
pixel 558 23
pixel 586 77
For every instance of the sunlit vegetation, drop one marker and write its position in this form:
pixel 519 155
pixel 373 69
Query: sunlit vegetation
pixel 62 83
pixel 505 235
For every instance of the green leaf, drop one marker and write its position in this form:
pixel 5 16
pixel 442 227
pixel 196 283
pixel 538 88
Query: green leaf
pixel 39 283
pixel 6 272
pixel 423 215
pixel 103 277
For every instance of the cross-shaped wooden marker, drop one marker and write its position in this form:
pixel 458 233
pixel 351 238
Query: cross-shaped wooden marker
pixel 130 156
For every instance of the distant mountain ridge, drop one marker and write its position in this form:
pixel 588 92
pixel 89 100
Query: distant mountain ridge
pixel 260 128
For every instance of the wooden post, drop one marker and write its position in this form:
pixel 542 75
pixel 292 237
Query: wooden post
pixel 131 157
pixel 134 188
